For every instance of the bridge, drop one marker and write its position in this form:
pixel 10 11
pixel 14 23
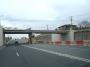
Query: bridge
pixel 33 31
pixel 26 31
pixel 29 32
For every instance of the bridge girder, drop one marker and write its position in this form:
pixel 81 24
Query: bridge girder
pixel 32 31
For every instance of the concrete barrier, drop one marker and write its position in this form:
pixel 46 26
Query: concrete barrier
pixel 1 36
pixel 80 42
pixel 68 43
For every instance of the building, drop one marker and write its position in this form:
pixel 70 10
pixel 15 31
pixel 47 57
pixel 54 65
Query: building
pixel 67 27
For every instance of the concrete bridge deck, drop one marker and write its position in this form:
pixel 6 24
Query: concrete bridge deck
pixel 33 31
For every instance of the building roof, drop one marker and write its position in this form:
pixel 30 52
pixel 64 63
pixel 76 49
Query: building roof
pixel 67 25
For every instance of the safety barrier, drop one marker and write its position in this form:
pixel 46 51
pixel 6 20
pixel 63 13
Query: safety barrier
pixel 58 42
pixel 68 43
pixel 80 42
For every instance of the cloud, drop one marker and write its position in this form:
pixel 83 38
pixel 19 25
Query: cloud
pixel 30 9
pixel 59 10
pixel 7 24
pixel 43 9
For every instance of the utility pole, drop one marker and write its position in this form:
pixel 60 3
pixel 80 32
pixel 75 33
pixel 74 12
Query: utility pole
pixel 71 19
pixel 47 27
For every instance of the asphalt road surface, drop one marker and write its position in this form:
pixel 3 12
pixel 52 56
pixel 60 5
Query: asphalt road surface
pixel 44 56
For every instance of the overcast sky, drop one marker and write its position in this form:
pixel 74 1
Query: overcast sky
pixel 53 13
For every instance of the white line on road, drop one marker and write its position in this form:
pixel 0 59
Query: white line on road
pixel 61 54
pixel 17 53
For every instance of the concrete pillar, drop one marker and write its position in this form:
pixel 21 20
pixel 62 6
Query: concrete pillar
pixel 1 35
pixel 71 35
pixel 30 38
pixel 56 37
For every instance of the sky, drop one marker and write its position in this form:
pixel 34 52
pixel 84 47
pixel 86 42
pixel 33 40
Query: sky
pixel 38 14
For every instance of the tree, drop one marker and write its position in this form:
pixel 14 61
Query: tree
pixel 84 23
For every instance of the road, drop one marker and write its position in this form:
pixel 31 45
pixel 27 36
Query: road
pixel 44 56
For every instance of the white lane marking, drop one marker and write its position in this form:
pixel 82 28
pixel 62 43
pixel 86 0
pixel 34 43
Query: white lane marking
pixel 17 53
pixel 61 54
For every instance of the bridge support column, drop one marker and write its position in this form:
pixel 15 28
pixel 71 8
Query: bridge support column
pixel 1 36
pixel 71 36
pixel 30 38
pixel 56 38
